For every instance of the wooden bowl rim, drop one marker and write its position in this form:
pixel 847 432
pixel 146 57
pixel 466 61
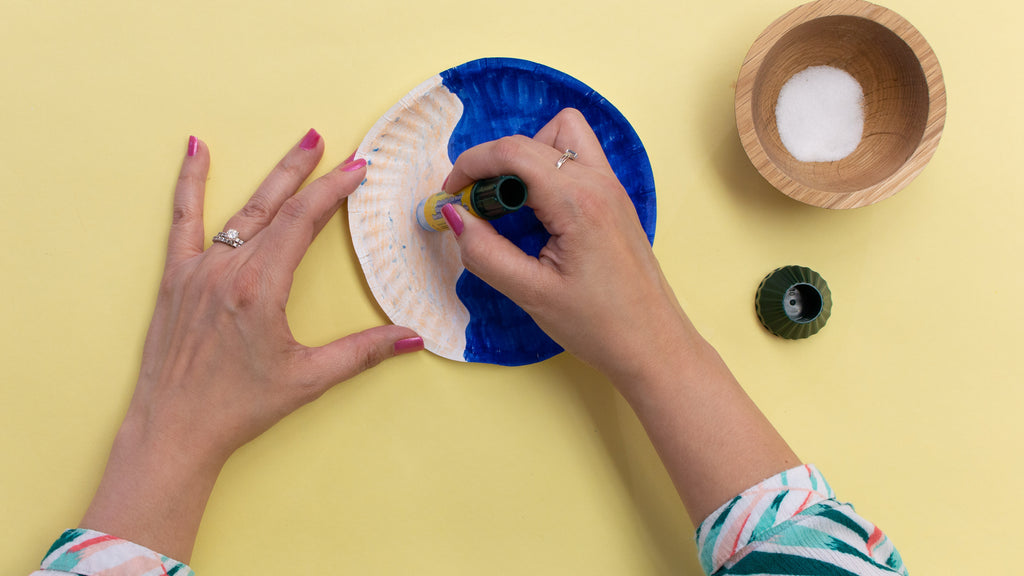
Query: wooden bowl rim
pixel 894 182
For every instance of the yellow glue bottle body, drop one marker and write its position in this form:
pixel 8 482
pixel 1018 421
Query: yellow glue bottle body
pixel 488 199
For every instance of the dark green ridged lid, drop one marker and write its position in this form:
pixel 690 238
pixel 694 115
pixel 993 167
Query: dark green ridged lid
pixel 495 197
pixel 793 302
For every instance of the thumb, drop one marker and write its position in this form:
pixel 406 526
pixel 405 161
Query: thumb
pixel 494 258
pixel 356 353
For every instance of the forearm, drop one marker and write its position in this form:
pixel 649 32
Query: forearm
pixel 152 494
pixel 711 437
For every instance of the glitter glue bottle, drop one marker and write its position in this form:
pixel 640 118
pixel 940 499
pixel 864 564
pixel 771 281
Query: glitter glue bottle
pixel 488 199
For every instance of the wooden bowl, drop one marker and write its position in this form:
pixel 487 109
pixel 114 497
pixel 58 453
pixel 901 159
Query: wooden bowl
pixel 904 100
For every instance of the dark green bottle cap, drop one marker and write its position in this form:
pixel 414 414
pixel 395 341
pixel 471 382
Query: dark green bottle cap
pixel 793 302
pixel 495 197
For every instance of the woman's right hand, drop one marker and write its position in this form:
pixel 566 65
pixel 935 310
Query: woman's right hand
pixel 596 287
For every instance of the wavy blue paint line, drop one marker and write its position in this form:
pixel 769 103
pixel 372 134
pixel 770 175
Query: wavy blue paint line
pixel 502 97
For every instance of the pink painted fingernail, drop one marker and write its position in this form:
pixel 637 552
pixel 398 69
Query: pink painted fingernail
pixel 350 158
pixel 310 140
pixel 445 185
pixel 193 145
pixel 353 165
pixel 453 219
pixel 407 345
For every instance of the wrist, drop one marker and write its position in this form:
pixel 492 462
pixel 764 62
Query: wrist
pixel 153 491
pixel 144 440
pixel 170 434
pixel 670 347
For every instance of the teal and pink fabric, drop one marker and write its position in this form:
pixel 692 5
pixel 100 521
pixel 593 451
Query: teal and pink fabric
pixel 790 524
pixel 91 553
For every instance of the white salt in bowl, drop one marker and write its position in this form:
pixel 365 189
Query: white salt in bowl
pixel 904 101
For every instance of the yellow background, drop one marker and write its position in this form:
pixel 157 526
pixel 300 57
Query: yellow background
pixel 908 400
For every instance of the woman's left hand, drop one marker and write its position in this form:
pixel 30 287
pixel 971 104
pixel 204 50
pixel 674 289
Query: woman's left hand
pixel 220 365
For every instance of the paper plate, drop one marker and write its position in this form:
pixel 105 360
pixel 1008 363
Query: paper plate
pixel 417 276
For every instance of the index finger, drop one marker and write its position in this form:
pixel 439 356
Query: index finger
pixel 570 130
pixel 532 161
pixel 535 161
pixel 303 215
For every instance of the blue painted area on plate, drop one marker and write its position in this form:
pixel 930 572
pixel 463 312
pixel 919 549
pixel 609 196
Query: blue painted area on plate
pixel 502 97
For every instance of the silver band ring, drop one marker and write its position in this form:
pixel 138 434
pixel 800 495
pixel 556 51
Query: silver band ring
pixel 229 237
pixel 569 155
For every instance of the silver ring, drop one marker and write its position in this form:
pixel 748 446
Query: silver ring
pixel 229 237
pixel 569 155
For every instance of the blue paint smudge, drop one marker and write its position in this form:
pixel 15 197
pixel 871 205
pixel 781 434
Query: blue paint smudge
pixel 502 97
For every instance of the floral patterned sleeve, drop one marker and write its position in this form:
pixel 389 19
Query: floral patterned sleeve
pixel 792 524
pixel 90 553
pixel 788 524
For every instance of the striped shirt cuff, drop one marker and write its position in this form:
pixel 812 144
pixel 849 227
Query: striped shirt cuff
pixel 792 524
pixel 90 553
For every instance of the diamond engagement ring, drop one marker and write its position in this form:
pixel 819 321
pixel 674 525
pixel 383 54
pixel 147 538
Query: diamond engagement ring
pixel 229 237
pixel 569 155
